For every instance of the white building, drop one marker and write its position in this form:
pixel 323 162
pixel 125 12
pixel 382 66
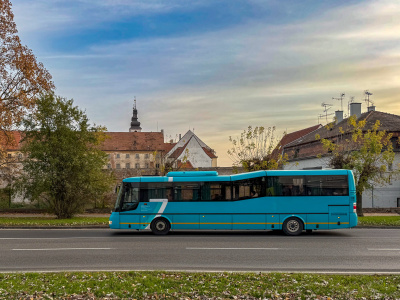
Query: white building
pixel 193 152
pixel 305 151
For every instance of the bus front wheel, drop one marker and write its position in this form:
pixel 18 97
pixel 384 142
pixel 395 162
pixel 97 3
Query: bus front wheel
pixel 160 226
pixel 293 226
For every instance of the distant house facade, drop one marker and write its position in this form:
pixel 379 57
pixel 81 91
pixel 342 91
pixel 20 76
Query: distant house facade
pixel 137 149
pixel 307 152
pixel 134 150
pixel 132 153
pixel 191 152
pixel 11 162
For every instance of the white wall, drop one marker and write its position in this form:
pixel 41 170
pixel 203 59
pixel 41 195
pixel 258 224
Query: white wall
pixel 196 155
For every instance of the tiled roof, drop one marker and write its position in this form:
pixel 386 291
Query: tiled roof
pixel 209 153
pixel 308 146
pixel 11 141
pixel 389 122
pixel 185 165
pixel 293 136
pixel 290 137
pixel 134 141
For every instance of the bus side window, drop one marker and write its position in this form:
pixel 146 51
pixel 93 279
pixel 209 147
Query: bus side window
pixel 186 191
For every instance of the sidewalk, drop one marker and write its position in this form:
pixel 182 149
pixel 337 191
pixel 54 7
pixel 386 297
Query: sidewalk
pixel 380 214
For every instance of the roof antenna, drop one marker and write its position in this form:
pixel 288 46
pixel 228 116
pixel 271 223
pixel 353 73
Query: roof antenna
pixel 326 107
pixel 341 100
pixel 367 94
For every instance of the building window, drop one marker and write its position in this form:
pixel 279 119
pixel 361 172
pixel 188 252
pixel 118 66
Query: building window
pixel 118 166
pixel 109 166
pixel 146 155
pixel 147 165
pixel 117 155
pixel 127 155
pixel 109 156
pixel 20 156
pixel 9 155
pixel 128 165
pixel 137 166
pixel 157 166
pixel 137 156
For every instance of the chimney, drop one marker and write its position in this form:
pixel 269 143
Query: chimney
pixel 180 136
pixel 355 109
pixel 339 116
pixel 371 108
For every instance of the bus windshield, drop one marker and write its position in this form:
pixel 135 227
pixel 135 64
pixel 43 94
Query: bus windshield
pixel 128 197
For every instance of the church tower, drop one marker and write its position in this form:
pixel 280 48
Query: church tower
pixel 135 124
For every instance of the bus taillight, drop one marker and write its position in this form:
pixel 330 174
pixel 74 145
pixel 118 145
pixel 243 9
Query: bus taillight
pixel 354 207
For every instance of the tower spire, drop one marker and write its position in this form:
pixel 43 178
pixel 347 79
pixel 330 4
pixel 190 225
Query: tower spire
pixel 135 124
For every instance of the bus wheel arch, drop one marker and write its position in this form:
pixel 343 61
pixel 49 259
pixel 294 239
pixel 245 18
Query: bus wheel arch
pixel 160 226
pixel 293 226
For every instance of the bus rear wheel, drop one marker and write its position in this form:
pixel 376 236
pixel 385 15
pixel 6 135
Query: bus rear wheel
pixel 293 226
pixel 160 226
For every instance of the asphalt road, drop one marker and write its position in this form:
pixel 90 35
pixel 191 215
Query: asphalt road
pixel 337 251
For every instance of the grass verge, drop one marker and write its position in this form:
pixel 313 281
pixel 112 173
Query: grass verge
pixel 51 221
pixel 379 221
pixel 174 285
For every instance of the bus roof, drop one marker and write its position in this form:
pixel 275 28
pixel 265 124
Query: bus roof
pixel 193 176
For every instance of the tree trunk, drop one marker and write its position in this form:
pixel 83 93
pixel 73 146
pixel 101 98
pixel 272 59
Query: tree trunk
pixel 359 205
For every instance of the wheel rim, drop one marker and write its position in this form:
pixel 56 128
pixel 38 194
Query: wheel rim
pixel 160 226
pixel 293 226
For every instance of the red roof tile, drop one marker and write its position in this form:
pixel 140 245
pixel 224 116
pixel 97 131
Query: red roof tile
pixel 307 146
pixel 134 141
pixel 209 153
pixel 11 140
pixel 185 165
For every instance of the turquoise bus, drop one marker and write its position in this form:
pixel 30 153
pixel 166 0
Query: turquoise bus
pixel 287 200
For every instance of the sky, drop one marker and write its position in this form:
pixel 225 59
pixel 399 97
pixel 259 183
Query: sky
pixel 216 67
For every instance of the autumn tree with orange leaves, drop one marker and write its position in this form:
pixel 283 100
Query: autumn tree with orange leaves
pixel 22 79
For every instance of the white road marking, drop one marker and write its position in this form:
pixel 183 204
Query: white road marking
pixel 32 238
pixel 371 249
pixel 58 249
pixel 194 248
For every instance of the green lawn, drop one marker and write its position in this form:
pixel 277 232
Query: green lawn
pixel 175 285
pixel 379 221
pixel 52 221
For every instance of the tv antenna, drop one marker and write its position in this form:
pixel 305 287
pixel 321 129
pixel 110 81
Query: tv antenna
pixel 326 107
pixel 367 94
pixel 341 100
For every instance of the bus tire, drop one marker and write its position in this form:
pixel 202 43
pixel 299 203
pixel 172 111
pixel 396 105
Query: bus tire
pixel 293 226
pixel 160 226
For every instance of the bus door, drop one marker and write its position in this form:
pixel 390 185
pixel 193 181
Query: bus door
pixel 338 216
pixel 128 216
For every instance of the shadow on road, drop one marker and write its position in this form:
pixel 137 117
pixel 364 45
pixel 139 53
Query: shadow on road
pixel 270 233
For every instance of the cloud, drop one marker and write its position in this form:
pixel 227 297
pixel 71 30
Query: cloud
pixel 255 72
